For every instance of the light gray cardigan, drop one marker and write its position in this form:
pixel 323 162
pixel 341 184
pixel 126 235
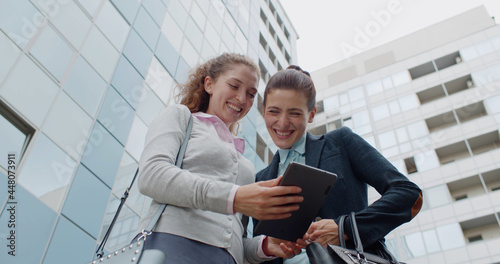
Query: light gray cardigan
pixel 197 194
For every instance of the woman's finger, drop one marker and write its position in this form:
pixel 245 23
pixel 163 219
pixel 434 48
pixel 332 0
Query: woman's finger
pixel 287 251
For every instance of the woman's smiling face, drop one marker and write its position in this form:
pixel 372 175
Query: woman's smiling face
pixel 232 93
pixel 286 115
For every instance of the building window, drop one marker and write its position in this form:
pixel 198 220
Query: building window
pixel 287 34
pixel 318 130
pixel 433 240
pixel 271 7
pixel 334 125
pixel 459 84
pixel 272 58
pixel 271 31
pixel 263 42
pixel 280 45
pixel 484 143
pixel 475 238
pixel 288 58
pixel 410 165
pixel 466 188
pixel 431 94
pixel 448 60
pixel 261 148
pixel 320 107
pixel 422 70
pixel 263 16
pixel 480 228
pixel 16 134
pixel 270 156
pixel 263 72
pixel 260 104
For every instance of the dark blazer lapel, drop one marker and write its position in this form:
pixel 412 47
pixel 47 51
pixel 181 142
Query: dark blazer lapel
pixel 314 147
pixel 273 167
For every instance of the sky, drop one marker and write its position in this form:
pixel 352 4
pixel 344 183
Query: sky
pixel 328 29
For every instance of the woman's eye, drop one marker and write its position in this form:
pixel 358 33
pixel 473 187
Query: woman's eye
pixel 251 95
pixel 233 86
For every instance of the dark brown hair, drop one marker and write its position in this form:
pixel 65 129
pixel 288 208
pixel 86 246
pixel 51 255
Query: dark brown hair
pixel 293 78
pixel 193 94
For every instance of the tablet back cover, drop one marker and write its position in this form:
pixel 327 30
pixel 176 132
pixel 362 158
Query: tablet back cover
pixel 316 185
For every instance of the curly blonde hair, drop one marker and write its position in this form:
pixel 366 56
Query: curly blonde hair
pixel 192 93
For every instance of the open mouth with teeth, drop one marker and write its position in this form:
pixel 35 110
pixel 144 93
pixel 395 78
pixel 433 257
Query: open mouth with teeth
pixel 283 133
pixel 234 107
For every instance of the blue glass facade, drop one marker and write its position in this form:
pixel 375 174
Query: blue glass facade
pixel 80 82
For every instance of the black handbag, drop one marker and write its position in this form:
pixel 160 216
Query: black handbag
pixel 135 252
pixel 341 254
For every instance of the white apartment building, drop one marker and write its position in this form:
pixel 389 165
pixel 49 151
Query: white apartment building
pixel 430 103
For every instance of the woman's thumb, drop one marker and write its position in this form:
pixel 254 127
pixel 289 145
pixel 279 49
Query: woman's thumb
pixel 271 183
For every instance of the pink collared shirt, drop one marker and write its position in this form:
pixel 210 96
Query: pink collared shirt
pixel 226 136
pixel 239 145
pixel 222 131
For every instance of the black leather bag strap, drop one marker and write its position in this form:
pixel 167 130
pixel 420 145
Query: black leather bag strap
pixel 355 233
pixel 341 231
pixel 156 217
pixel 317 254
pixel 358 255
pixel 356 238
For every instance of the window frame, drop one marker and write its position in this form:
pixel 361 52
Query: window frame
pixel 20 123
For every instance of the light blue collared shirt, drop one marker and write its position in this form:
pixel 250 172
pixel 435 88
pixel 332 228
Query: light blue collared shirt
pixel 295 153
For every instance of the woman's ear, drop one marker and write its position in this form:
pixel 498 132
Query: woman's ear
pixel 208 84
pixel 311 115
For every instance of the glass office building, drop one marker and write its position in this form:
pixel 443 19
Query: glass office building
pixel 80 82
pixel 430 103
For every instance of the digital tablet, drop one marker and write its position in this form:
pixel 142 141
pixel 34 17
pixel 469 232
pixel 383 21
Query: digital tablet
pixel 316 185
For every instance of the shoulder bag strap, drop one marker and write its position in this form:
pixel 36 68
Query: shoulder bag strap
pixel 100 250
pixel 156 217
pixel 178 163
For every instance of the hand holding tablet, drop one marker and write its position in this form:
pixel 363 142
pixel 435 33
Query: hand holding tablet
pixel 316 185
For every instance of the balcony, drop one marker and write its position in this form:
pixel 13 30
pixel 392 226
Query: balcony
pixel 448 60
pixel 448 88
pixel 481 228
pixel 492 180
pixel 441 121
pixel 469 147
pixel 466 188
pixel 431 94
pixel 459 84
pixel 463 114
pixel 422 70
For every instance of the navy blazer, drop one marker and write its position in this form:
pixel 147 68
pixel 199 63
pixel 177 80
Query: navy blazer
pixel 357 164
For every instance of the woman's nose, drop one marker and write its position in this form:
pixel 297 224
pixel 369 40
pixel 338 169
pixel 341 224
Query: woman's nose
pixel 283 120
pixel 241 96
